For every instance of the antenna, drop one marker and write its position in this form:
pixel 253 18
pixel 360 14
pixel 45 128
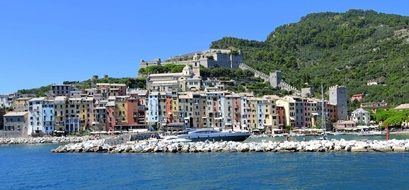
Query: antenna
pixel 323 126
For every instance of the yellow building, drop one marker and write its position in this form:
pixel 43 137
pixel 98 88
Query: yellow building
pixel 60 113
pixel 263 115
pixel 121 110
pixel 86 113
pixel 21 104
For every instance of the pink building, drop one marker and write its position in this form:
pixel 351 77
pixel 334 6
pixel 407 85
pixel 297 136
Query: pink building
pixel 110 116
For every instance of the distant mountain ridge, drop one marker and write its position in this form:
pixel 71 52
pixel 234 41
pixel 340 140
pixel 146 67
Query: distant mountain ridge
pixel 348 48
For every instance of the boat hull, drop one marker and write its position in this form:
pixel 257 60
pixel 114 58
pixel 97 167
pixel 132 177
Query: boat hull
pixel 238 138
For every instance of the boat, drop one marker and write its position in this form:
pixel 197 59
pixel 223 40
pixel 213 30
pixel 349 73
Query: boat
pixel 175 139
pixel 336 133
pixel 214 135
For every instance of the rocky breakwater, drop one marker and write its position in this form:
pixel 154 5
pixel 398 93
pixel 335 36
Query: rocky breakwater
pixel 44 140
pixel 193 147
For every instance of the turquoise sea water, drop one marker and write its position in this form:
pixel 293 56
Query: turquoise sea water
pixel 34 167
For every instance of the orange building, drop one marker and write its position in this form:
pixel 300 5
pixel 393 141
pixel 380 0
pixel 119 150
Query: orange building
pixel 110 116
pixel 281 116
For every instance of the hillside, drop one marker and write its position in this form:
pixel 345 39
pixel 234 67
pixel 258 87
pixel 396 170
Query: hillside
pixel 336 48
pixel 131 82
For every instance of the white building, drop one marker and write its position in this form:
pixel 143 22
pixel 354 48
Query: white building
pixel 189 79
pixel 153 108
pixel 361 116
pixel 5 101
pixel 244 112
pixel 40 116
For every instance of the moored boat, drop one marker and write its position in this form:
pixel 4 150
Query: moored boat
pixel 215 135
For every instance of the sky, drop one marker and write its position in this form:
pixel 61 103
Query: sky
pixel 47 42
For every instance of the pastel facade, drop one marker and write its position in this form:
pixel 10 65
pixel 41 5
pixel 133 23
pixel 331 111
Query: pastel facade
pixel 244 113
pixel 215 109
pixel 232 111
pixel 72 119
pixel 191 109
pixel 20 104
pixel 41 116
pixel 60 107
pixel 281 117
pixel 100 116
pixel 110 115
pixel 153 113
pixel 135 112
pixel 108 89
pixel 289 105
pixel 87 113
pixel 263 115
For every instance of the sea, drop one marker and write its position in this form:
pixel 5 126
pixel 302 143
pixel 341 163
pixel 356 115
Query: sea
pixel 35 167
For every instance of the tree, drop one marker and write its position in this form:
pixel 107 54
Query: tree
pixel 335 48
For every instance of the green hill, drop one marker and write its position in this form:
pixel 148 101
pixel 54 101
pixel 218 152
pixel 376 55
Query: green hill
pixel 336 48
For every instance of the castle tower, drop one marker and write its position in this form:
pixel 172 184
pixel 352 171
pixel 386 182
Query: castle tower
pixel 338 97
pixel 275 79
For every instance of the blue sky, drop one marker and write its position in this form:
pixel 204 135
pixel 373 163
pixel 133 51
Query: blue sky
pixel 46 41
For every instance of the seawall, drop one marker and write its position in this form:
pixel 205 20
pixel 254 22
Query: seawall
pixel 146 146
pixel 44 140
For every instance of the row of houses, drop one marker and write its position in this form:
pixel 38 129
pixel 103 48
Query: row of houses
pixel 236 111
pixel 142 109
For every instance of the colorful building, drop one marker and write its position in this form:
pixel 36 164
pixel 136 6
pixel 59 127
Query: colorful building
pixel 108 89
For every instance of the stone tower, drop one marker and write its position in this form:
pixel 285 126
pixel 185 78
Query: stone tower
pixel 338 97
pixel 275 79
pixel 196 69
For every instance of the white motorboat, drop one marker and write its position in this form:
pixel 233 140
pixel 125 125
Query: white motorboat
pixel 175 139
pixel 212 134
pixel 371 133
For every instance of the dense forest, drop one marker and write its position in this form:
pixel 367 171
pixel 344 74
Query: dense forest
pixel 336 48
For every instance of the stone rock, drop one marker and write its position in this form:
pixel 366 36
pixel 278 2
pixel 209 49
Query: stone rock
pixel 399 148
pixel 358 149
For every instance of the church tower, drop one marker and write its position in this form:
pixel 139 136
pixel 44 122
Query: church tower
pixel 196 69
